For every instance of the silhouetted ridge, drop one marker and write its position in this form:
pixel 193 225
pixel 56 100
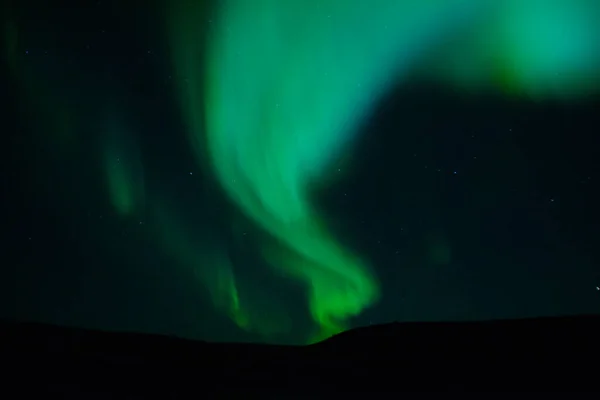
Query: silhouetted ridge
pixel 528 354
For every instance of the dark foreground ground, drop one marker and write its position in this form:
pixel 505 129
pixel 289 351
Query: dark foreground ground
pixel 545 354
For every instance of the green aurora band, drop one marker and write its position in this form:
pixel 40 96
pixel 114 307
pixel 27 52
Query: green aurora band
pixel 281 87
pixel 274 92
pixel 123 169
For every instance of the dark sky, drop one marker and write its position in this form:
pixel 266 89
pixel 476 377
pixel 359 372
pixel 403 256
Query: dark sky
pixel 468 207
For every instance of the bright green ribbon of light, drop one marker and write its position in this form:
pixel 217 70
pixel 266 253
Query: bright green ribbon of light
pixel 284 86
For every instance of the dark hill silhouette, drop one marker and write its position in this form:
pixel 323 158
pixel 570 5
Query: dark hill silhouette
pixel 530 354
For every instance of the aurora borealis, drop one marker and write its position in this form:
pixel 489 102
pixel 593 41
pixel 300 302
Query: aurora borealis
pixel 333 60
pixel 271 100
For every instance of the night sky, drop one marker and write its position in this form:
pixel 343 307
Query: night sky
pixel 467 206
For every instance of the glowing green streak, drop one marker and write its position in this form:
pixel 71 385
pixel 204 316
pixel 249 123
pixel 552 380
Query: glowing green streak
pixel 207 261
pixel 551 47
pixel 534 48
pixel 288 84
pixel 119 184
pixel 124 171
pixel 287 87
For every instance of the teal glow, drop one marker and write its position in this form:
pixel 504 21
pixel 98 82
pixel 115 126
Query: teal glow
pixel 283 87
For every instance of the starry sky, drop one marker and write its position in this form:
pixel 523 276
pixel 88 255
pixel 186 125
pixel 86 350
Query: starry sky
pixel 467 206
